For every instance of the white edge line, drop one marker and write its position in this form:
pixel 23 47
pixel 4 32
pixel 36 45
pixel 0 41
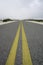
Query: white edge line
pixel 41 23
pixel 2 23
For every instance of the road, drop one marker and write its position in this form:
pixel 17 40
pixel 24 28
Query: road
pixel 21 43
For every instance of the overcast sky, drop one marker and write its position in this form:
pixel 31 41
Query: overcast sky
pixel 21 9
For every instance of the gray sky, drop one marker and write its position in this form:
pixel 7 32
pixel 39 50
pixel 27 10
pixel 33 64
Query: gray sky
pixel 21 9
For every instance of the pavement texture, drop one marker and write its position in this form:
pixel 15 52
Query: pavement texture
pixel 34 35
pixel 18 60
pixel 7 35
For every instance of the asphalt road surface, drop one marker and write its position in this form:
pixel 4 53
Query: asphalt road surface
pixel 34 36
pixel 7 34
pixel 34 33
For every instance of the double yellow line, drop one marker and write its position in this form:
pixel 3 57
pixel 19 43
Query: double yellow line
pixel 25 50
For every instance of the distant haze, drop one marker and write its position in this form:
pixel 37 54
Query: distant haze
pixel 21 9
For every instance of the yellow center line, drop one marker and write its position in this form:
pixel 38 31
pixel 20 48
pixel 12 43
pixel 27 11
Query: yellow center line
pixel 25 50
pixel 12 54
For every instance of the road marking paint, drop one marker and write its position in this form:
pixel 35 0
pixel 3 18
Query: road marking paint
pixel 40 23
pixel 3 23
pixel 25 50
pixel 12 54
